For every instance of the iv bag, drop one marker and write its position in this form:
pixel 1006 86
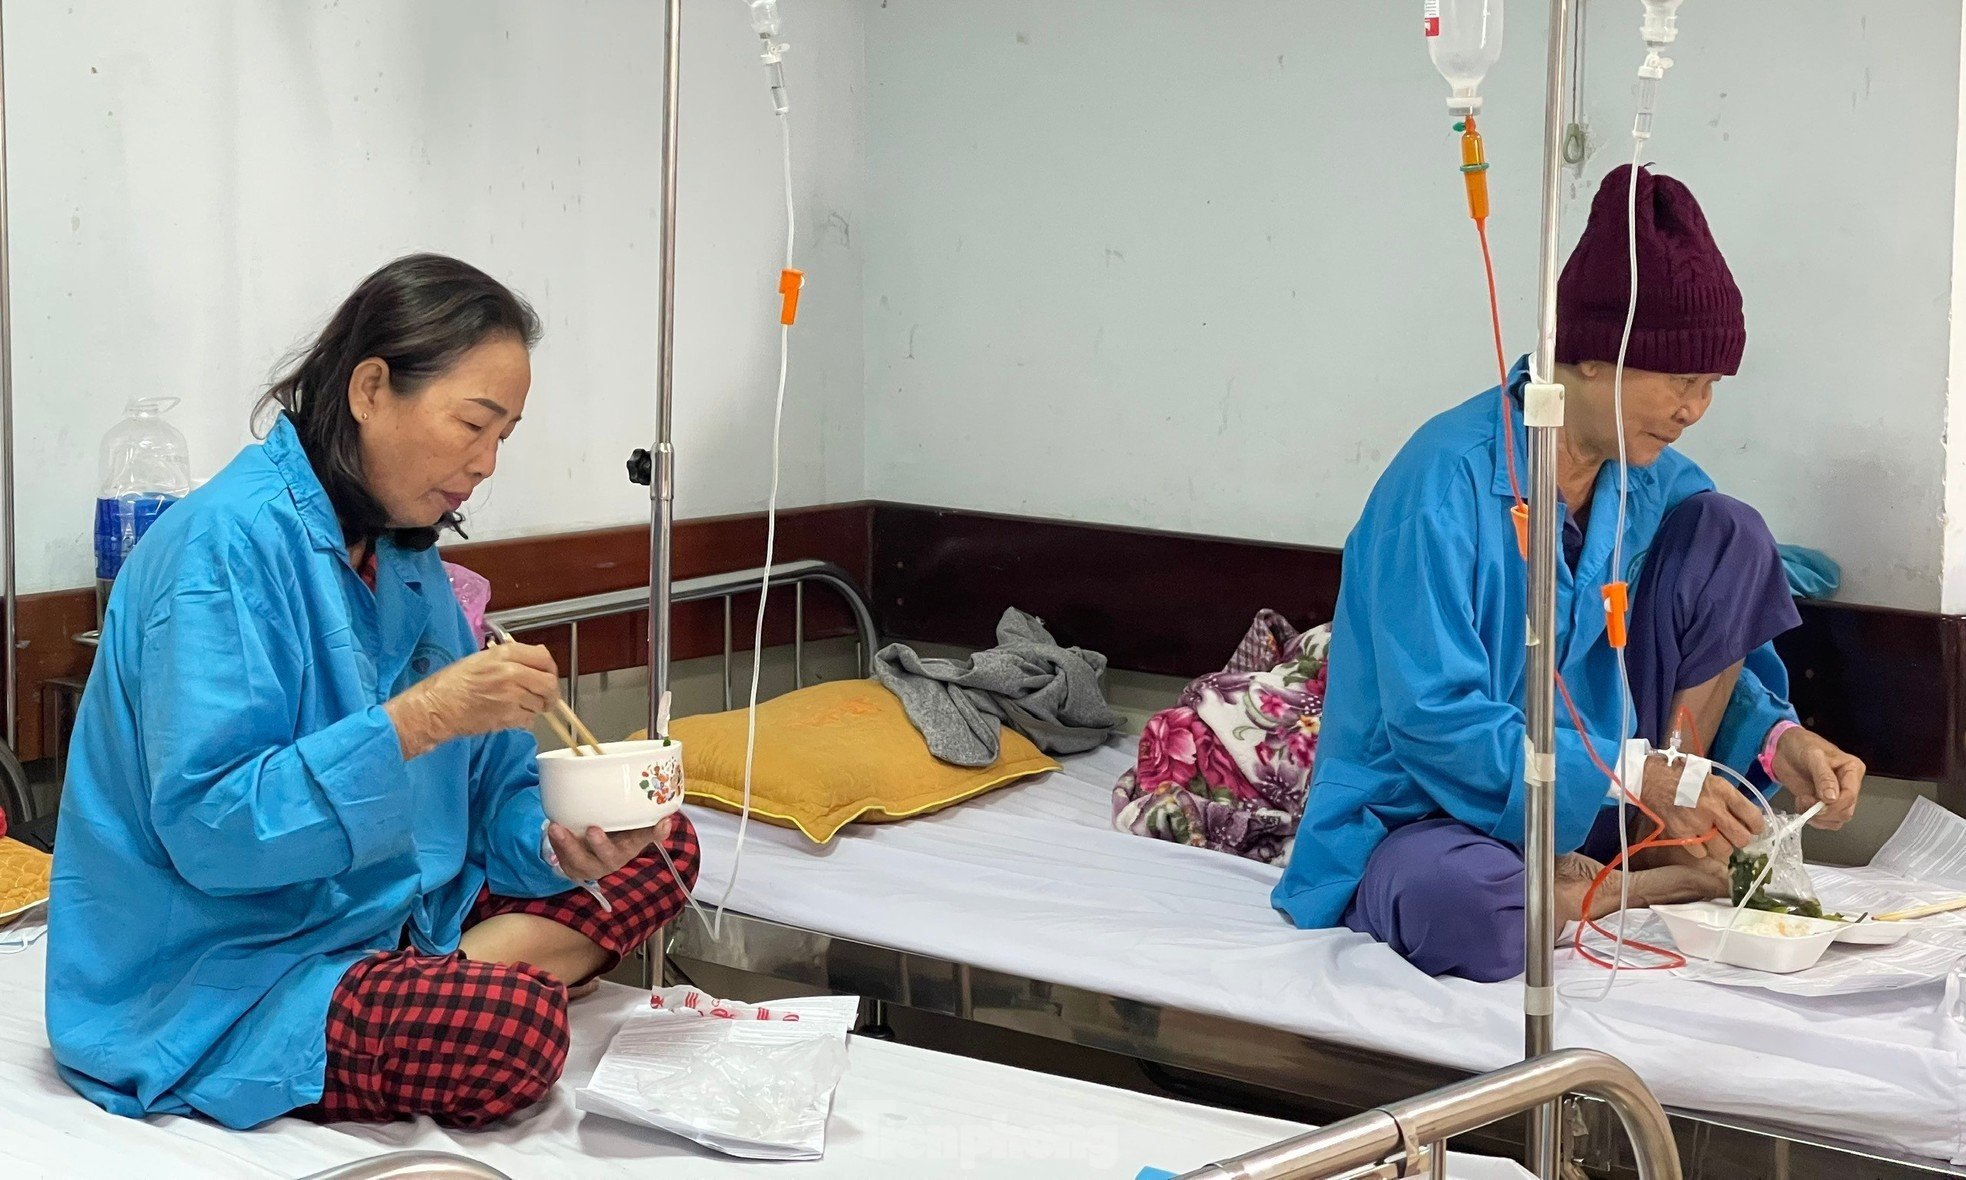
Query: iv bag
pixel 1464 38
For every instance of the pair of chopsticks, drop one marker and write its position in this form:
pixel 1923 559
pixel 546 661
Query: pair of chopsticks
pixel 1924 911
pixel 501 635
pixel 567 725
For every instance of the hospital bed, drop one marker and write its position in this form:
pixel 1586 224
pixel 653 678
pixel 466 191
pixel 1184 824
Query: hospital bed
pixel 1024 910
pixel 901 1113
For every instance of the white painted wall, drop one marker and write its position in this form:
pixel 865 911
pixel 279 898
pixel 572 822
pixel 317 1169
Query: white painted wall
pixel 197 184
pixel 1206 266
pixel 1194 266
pixel 1953 600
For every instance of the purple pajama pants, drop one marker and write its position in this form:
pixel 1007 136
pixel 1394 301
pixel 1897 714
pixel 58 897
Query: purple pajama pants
pixel 1448 898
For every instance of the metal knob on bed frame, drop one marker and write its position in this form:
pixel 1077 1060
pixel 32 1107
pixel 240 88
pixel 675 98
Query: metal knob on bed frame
pixel 413 1165
pixel 1409 1138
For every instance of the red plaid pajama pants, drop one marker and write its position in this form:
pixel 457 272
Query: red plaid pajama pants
pixel 470 1043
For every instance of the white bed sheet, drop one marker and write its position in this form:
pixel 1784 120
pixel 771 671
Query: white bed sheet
pixel 901 1114
pixel 1033 881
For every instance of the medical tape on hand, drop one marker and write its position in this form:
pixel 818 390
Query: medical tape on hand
pixel 1693 781
pixel 1631 769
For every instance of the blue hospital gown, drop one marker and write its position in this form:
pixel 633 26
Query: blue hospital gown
pixel 239 824
pixel 1422 715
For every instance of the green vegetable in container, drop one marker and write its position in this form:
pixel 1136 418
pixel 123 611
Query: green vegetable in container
pixel 1744 868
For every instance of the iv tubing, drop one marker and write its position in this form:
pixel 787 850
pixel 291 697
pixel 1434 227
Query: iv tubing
pixel 765 23
pixel 771 539
pixel 1576 717
pixel 1508 439
pixel 1627 720
pixel 687 895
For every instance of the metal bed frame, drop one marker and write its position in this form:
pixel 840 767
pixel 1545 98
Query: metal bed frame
pixel 571 613
pixel 413 1165
pixel 1409 1138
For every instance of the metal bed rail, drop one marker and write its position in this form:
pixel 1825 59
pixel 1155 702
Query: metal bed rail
pixel 413 1165
pixel 572 612
pixel 1409 1138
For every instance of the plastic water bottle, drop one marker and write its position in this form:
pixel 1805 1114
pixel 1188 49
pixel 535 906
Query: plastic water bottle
pixel 146 468
pixel 1464 38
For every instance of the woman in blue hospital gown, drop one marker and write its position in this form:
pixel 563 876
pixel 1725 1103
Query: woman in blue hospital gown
pixel 302 862
pixel 1414 827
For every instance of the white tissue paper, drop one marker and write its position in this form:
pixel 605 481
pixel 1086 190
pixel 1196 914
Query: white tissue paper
pixel 754 1081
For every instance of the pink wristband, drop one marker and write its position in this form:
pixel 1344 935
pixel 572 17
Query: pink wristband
pixel 1775 736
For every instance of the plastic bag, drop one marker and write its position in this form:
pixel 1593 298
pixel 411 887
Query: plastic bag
pixel 474 595
pixel 1786 887
pixel 758 1083
pixel 749 1081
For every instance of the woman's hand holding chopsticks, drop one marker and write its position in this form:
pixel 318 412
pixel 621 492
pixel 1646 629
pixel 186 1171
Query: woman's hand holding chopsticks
pixel 502 687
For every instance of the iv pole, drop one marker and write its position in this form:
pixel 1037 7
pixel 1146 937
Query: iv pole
pixel 1543 413
pixel 662 485
pixel 657 467
pixel 11 592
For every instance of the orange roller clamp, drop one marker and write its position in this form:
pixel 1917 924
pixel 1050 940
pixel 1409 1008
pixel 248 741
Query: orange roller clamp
pixel 1617 599
pixel 790 283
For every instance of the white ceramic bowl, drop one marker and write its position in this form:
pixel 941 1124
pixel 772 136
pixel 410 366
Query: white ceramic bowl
pixel 629 785
pixel 1777 943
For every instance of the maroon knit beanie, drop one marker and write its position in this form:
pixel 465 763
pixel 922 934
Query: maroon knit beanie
pixel 1689 310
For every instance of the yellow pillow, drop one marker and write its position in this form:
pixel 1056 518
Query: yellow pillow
pixel 835 754
pixel 24 875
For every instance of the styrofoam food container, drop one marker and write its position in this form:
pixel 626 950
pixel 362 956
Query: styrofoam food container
pixel 628 785
pixel 1777 943
pixel 1873 933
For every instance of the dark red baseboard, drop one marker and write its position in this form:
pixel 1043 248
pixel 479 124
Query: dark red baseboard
pixel 525 571
pixel 1889 685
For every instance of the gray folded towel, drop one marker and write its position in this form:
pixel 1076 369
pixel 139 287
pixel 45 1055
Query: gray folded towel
pixel 1053 695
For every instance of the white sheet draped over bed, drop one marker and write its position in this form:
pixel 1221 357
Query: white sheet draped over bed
pixel 1033 881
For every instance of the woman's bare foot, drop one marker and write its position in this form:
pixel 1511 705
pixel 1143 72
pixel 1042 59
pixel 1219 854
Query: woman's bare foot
pixel 1574 874
pixel 1663 885
pixel 1672 884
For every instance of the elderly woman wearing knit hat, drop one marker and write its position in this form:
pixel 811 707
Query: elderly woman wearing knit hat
pixel 1414 828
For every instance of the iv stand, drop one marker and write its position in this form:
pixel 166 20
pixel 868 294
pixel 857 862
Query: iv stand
pixel 657 468
pixel 1543 413
pixel 10 592
pixel 662 485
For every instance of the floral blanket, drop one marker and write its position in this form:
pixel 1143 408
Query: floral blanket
pixel 1230 766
